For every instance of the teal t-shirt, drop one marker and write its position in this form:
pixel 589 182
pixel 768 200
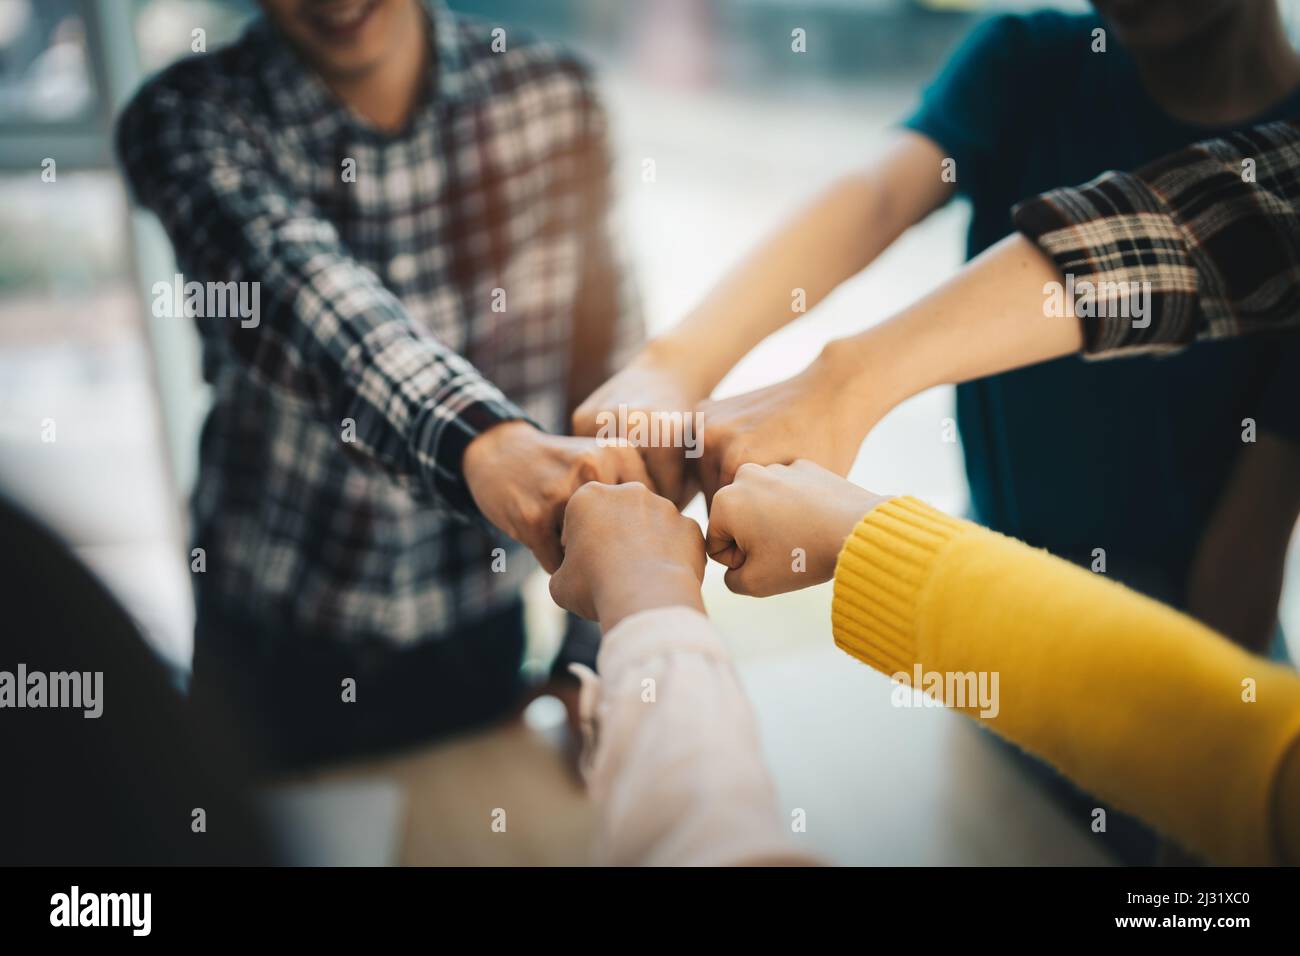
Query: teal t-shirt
pixel 1126 455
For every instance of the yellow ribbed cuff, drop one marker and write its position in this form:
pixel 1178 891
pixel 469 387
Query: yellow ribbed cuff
pixel 880 578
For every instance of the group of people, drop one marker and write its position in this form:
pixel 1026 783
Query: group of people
pixel 444 301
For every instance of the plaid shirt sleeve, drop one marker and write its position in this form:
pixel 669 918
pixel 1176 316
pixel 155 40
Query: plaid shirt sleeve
pixel 1212 229
pixel 330 334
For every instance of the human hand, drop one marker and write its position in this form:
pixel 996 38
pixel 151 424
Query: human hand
pixel 626 549
pixel 768 511
pixel 521 479
pixel 654 384
pixel 821 415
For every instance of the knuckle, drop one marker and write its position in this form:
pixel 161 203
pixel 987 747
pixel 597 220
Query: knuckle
pixel 585 494
pixel 552 494
pixel 738 453
pixel 529 514
pixel 731 468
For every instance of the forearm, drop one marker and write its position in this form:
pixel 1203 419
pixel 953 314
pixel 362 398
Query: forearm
pixel 1142 233
pixel 652 585
pixel 678 776
pixel 1207 237
pixel 1133 701
pixel 986 319
pixel 834 238
pixel 822 246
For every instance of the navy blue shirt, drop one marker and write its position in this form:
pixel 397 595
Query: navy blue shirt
pixel 1129 455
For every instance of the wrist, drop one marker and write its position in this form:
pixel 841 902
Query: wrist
pixel 846 515
pixel 482 447
pixel 648 585
pixel 685 361
pixel 856 367
pixel 479 464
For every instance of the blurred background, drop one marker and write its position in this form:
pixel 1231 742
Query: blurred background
pixel 741 132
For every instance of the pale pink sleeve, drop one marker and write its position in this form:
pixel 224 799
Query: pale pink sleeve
pixel 674 763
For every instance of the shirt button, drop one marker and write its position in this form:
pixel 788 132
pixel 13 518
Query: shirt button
pixel 401 268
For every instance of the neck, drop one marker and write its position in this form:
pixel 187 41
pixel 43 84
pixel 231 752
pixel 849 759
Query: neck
pixel 1234 69
pixel 386 95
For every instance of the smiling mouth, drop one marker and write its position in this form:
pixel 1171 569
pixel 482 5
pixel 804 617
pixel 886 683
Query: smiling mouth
pixel 341 21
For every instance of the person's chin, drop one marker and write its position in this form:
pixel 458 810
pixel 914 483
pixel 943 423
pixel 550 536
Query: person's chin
pixel 345 38
pixel 1145 24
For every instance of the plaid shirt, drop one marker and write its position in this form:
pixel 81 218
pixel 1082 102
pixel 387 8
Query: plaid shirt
pixel 463 276
pixel 1221 250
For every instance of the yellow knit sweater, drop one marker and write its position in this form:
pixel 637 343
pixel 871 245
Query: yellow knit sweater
pixel 1135 702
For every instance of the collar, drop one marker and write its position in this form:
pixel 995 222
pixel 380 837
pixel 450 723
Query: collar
pixel 452 78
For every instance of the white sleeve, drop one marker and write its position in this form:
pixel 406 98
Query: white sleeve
pixel 673 757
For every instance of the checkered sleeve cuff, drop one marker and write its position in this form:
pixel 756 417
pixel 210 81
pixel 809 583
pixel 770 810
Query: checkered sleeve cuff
pixel 1125 262
pixel 1201 244
pixel 446 429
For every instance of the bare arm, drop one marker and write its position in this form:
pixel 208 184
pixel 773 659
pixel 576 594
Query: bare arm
pixel 841 233
pixel 831 240
pixel 987 318
pixel 1198 274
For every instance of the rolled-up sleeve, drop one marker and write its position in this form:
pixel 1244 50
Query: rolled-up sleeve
pixel 1208 236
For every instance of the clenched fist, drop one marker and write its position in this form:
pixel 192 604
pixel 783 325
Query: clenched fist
pixel 652 387
pixel 521 479
pixel 759 520
pixel 821 414
pixel 626 550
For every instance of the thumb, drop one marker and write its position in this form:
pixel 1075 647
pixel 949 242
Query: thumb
pixel 632 467
pixel 738 580
pixel 563 590
pixel 667 469
pixel 720 542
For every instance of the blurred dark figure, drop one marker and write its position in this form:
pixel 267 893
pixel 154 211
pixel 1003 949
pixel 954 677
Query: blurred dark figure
pixel 120 788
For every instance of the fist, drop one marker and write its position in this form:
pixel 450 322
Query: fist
pixel 814 415
pixel 779 528
pixel 653 390
pixel 521 479
pixel 625 550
